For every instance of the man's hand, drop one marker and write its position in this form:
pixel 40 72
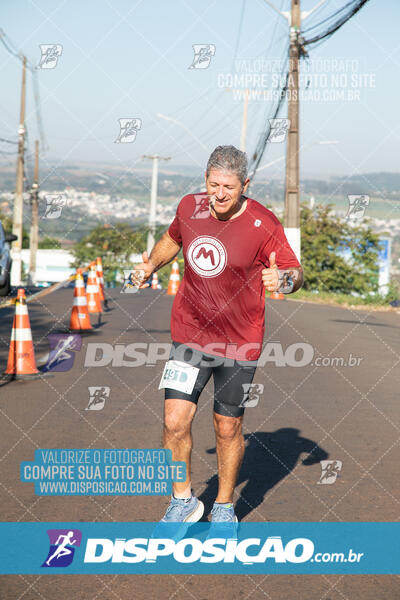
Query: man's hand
pixel 147 267
pixel 270 276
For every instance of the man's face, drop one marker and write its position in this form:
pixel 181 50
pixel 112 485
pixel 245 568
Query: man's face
pixel 224 190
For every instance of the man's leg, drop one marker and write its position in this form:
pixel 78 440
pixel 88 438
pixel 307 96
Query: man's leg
pixel 230 452
pixel 178 418
pixel 230 383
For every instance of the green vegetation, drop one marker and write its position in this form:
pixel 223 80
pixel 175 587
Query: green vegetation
pixel 49 243
pixel 346 299
pixel 338 257
pixel 115 244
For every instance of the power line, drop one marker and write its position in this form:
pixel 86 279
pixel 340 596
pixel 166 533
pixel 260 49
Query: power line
pixel 347 12
pixel 263 139
pixel 331 16
pixel 318 9
pixel 239 33
pixel 8 141
pixel 39 120
pixel 13 50
pixel 336 20
pixel 212 129
pixel 6 152
pixel 7 43
pixel 28 163
pixel 267 52
pixel 176 112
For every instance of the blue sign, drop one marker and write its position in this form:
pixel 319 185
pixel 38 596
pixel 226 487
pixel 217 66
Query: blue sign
pixel 103 472
pixel 384 259
pixel 123 548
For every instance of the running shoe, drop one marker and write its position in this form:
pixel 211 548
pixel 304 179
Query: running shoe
pixel 178 517
pixel 224 522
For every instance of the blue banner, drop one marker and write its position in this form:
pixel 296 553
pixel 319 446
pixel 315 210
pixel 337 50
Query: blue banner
pixel 281 548
pixel 103 472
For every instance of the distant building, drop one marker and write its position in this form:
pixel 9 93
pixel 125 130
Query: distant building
pixel 52 266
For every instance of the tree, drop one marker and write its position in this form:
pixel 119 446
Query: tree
pixel 49 243
pixel 338 256
pixel 114 244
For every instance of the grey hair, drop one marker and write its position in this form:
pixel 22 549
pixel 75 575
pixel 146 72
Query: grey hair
pixel 228 158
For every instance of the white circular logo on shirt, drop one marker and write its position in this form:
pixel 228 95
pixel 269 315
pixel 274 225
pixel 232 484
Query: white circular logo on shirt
pixel 207 256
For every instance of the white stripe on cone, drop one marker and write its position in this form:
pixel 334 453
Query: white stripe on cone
pixel 21 335
pixel 80 301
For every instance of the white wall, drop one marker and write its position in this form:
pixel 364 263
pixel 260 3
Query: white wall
pixel 51 265
pixel 54 265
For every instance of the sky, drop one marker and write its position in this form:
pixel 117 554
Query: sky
pixel 130 59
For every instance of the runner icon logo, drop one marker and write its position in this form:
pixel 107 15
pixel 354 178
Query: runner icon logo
pixel 251 394
pixel 202 55
pixel 202 207
pixel 128 130
pixel 358 204
pixel 62 547
pixel 97 397
pixel 207 256
pixel 330 470
pixel 55 204
pixel 50 55
pixel 62 351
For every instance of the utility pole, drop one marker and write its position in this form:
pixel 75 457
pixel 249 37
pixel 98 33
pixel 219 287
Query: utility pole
pixel 153 199
pixel 34 235
pixel 292 181
pixel 292 185
pixel 19 189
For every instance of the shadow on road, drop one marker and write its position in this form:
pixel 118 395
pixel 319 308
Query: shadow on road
pixel 140 329
pixel 269 458
pixel 354 322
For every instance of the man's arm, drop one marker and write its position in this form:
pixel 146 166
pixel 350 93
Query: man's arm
pixel 162 253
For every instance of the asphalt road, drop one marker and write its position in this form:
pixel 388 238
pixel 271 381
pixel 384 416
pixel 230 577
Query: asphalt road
pixel 345 413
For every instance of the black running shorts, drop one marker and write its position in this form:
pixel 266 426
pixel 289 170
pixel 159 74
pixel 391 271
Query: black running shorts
pixel 232 379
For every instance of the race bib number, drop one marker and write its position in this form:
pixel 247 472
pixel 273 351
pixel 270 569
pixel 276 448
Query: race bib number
pixel 179 376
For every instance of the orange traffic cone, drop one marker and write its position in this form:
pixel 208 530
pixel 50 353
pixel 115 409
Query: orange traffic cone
pixel 80 319
pixel 277 296
pixel 154 282
pixel 174 279
pixel 92 291
pixel 100 279
pixel 21 357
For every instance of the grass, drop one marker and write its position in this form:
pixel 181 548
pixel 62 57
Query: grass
pixel 342 299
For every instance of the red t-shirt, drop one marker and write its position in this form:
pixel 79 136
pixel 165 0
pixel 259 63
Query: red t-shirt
pixel 220 304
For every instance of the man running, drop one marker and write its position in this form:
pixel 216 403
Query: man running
pixel 233 248
pixel 62 544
